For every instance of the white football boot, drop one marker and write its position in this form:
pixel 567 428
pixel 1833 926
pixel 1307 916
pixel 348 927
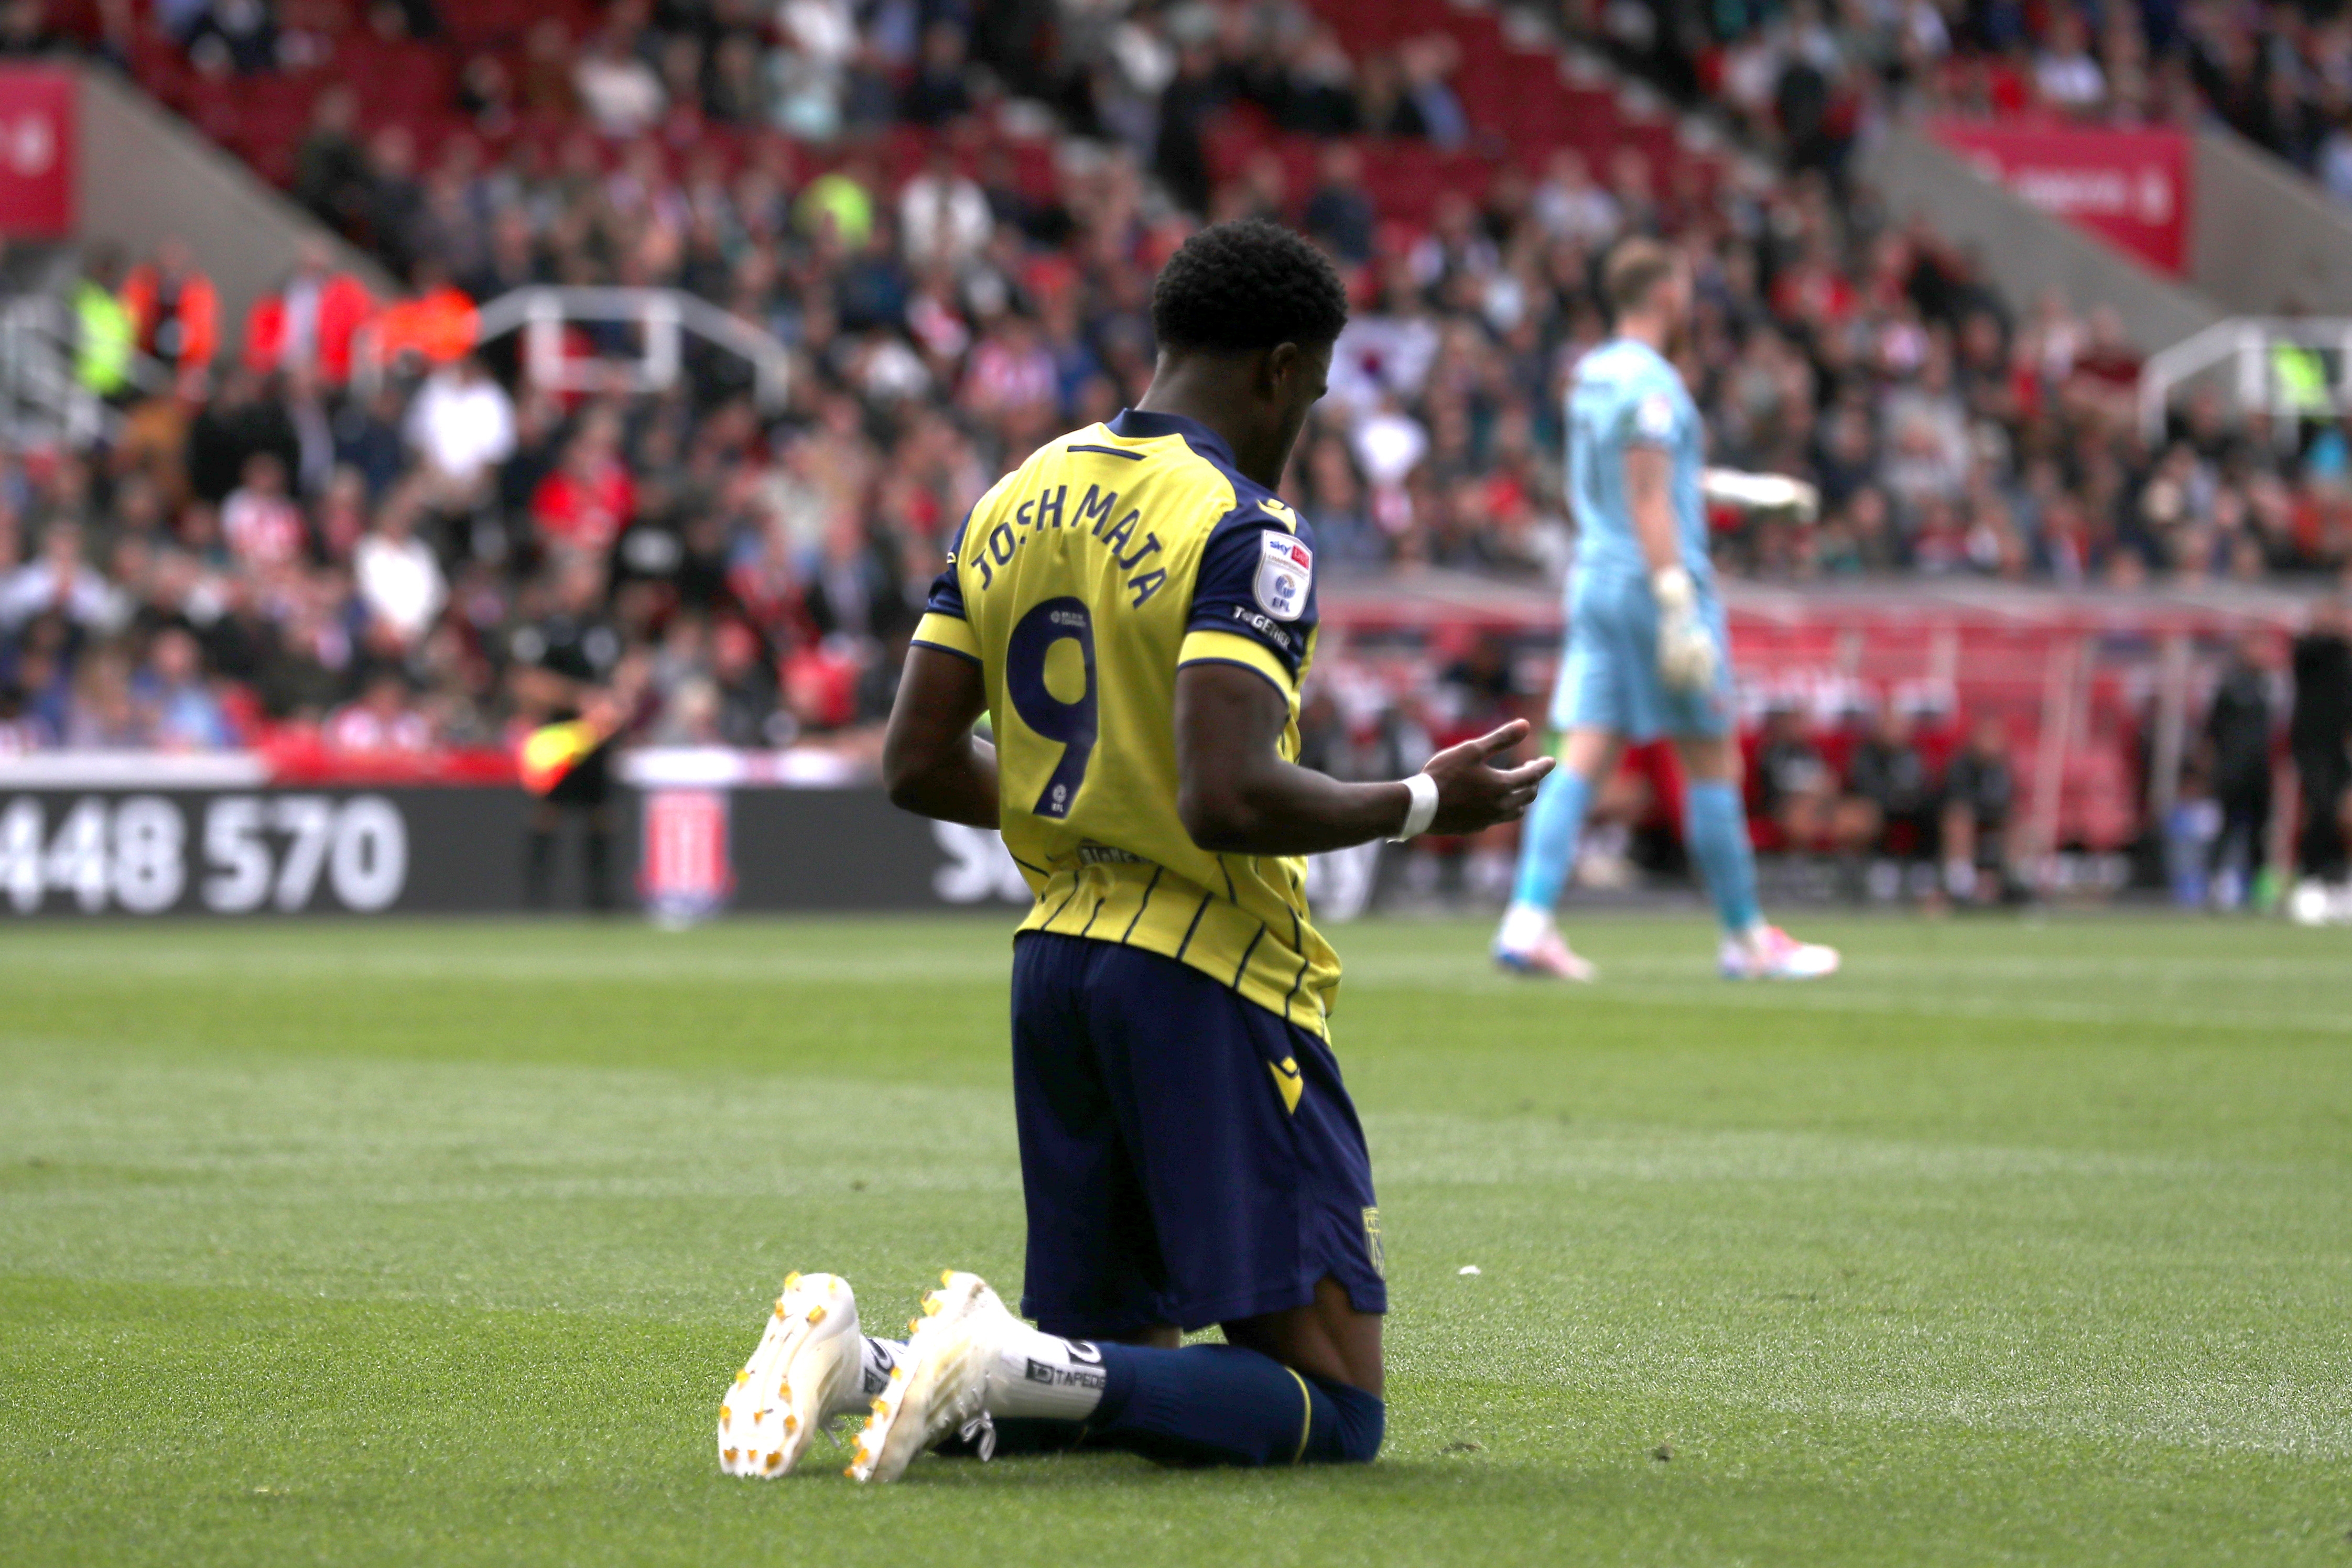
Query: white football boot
pixel 1550 958
pixel 1528 943
pixel 811 1363
pixel 940 1385
pixel 1768 953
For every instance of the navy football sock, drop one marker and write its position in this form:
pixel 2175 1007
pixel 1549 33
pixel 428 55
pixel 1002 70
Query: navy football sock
pixel 1351 1431
pixel 1219 1404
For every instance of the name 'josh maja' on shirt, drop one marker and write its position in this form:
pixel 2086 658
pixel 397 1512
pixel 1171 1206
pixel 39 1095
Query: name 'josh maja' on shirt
pixel 1049 511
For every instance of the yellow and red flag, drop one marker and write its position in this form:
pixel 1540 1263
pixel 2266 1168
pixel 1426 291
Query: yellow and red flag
pixel 550 752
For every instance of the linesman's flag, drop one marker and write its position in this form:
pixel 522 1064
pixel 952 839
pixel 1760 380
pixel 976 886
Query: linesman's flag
pixel 549 753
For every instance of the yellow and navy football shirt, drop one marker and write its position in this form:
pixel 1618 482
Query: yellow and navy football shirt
pixel 1079 583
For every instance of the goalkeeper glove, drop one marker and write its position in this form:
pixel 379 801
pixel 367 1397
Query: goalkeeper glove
pixel 1686 652
pixel 1804 501
pixel 1793 498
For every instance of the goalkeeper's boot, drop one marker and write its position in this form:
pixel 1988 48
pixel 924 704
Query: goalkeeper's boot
pixel 940 1387
pixel 1548 957
pixel 1768 953
pixel 811 1364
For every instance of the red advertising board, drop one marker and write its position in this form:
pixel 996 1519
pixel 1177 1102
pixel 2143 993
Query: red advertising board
pixel 37 152
pixel 2130 188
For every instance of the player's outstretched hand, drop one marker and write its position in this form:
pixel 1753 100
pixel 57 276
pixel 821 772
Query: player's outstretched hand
pixel 1472 793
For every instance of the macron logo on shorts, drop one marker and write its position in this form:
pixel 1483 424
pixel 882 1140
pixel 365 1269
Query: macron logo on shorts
pixel 1285 567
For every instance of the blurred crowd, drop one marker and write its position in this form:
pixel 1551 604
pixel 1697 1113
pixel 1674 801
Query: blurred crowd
pixel 345 514
pixel 1806 75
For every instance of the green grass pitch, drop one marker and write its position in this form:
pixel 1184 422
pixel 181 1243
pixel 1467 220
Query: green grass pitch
pixel 413 1243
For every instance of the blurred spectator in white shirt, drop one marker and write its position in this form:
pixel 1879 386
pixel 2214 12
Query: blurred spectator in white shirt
pixel 62 580
pixel 620 91
pixel 943 215
pixel 1570 204
pixel 2064 73
pixel 463 425
pixel 1378 357
pixel 398 578
pixel 1390 443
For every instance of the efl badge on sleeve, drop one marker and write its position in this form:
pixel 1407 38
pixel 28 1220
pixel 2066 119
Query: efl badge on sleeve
pixel 1653 417
pixel 1285 567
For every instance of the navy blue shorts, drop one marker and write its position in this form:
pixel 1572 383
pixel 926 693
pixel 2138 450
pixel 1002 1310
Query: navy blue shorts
pixel 1188 1158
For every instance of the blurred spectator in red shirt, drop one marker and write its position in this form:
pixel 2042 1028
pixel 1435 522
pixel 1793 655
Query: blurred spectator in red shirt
pixel 589 499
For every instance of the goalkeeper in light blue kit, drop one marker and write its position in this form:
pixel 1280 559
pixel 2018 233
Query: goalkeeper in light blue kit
pixel 1647 652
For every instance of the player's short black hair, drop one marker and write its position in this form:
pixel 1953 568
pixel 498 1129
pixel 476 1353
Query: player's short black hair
pixel 1246 285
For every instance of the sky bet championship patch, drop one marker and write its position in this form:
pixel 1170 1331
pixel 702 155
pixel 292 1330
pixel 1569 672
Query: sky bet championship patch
pixel 1283 569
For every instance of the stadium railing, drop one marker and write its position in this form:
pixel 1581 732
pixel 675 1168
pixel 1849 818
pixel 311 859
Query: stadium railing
pixel 663 317
pixel 2266 365
pixel 41 400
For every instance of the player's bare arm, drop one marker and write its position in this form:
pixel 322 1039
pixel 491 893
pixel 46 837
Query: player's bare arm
pixel 1237 794
pixel 931 761
pixel 1648 494
pixel 1687 656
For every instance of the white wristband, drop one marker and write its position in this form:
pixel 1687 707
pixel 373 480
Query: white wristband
pixel 1671 587
pixel 1424 810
